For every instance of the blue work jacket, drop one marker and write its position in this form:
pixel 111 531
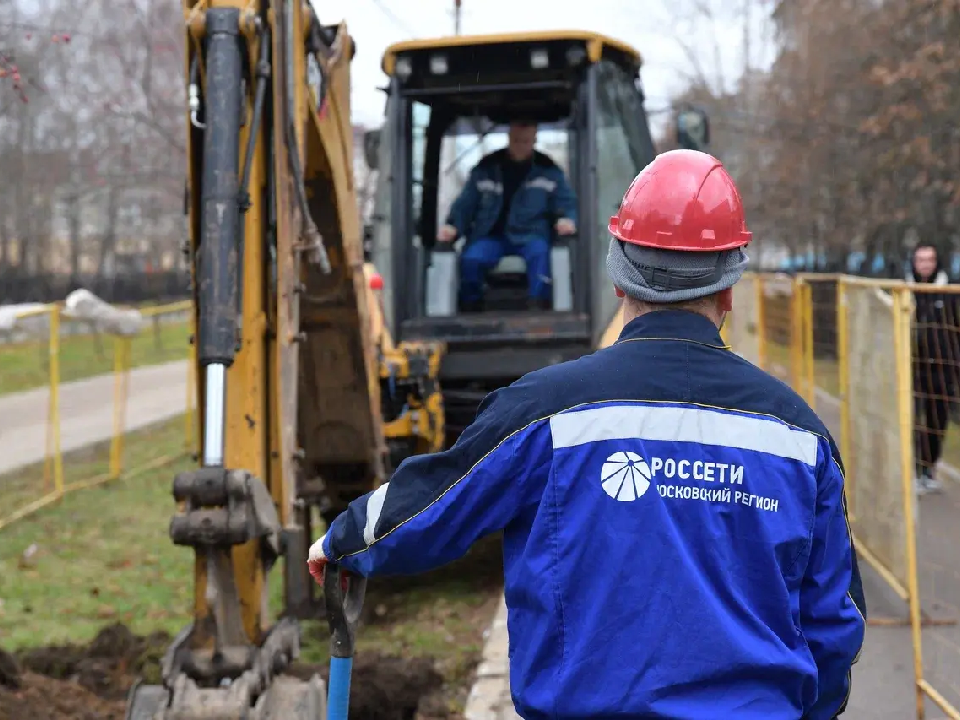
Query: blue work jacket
pixel 542 198
pixel 675 535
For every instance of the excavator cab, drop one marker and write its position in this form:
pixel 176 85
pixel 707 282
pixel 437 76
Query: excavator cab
pixel 449 102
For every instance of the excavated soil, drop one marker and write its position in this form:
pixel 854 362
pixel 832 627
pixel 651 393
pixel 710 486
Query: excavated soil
pixel 88 682
pixel 91 682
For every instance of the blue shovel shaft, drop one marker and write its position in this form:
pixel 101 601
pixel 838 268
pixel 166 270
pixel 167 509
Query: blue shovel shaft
pixel 338 696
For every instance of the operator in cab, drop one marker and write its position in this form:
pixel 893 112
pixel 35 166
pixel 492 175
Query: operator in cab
pixel 507 207
pixel 675 535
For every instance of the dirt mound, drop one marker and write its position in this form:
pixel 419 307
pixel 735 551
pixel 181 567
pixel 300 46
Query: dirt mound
pixel 91 682
pixel 107 666
pixel 79 682
pixel 387 688
pixel 42 698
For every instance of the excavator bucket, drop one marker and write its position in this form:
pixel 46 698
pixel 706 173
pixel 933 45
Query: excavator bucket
pixel 286 697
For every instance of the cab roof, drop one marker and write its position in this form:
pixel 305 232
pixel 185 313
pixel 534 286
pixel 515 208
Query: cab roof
pixel 595 43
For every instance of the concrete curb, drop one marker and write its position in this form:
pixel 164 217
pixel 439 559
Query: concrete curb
pixel 489 697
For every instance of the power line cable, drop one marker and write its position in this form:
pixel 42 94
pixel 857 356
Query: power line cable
pixel 392 16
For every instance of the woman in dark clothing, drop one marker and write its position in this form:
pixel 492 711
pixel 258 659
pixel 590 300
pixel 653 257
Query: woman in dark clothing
pixel 936 362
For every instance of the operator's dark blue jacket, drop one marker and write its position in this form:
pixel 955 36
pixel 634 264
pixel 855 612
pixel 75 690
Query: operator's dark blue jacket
pixel 542 198
pixel 676 542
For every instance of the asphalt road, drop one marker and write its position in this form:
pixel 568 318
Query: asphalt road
pixel 87 411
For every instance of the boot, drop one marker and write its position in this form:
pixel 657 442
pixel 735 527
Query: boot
pixel 538 304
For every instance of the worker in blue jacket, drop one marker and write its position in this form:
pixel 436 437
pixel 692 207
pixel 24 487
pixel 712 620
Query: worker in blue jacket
pixel 675 535
pixel 512 202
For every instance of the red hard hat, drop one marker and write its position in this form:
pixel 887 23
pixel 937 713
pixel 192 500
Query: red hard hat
pixel 684 200
pixel 376 281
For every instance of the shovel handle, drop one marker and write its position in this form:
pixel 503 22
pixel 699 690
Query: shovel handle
pixel 343 615
pixel 343 608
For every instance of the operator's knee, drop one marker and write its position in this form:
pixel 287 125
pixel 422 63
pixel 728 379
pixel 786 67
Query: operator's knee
pixel 480 255
pixel 536 255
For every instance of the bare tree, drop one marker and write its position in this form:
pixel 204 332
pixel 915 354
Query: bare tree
pixel 91 135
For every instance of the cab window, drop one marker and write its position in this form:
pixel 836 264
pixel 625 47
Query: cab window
pixel 621 125
pixel 460 152
pixel 420 123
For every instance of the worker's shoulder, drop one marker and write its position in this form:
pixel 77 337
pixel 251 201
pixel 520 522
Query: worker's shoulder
pixel 703 374
pixel 490 160
pixel 544 161
pixel 591 378
pixel 542 393
pixel 763 393
pixel 637 372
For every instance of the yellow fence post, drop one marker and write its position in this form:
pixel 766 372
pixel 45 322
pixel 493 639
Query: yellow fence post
pixel 796 358
pixel 121 376
pixel 189 416
pixel 761 322
pixel 902 348
pixel 55 398
pixel 55 482
pixel 843 370
pixel 807 344
pixel 49 454
pixel 798 339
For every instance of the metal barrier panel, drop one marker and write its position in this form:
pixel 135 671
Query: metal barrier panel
pixel 877 492
pixel 882 370
pixel 31 473
pixel 148 360
pixel 932 337
pixel 822 324
pixel 777 311
pixel 743 328
pixel 75 414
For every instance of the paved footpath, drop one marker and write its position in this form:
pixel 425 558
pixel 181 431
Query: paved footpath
pixel 883 678
pixel 156 393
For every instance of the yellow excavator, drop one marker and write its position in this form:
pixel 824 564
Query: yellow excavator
pixel 313 385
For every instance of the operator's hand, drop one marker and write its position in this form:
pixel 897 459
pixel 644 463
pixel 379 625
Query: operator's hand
pixel 565 226
pixel 317 561
pixel 317 564
pixel 448 233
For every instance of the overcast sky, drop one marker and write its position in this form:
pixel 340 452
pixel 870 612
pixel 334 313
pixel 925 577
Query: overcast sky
pixel 651 26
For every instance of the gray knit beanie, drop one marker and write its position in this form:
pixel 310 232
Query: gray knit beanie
pixel 667 276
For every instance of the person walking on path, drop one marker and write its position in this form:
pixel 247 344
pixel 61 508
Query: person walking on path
pixel 675 535
pixel 936 360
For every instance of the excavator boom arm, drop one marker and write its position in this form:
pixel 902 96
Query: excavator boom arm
pixel 291 352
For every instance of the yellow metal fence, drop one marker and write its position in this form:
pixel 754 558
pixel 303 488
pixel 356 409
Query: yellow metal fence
pixel 885 379
pixel 65 384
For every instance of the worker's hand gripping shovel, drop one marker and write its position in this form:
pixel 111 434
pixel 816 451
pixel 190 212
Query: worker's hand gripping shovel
pixel 343 597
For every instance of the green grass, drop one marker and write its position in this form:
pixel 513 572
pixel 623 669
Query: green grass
pixel 102 553
pixel 32 482
pixel 104 556
pixel 27 365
